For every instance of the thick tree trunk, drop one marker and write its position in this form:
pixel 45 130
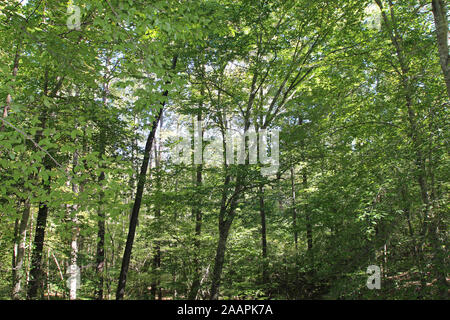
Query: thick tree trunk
pixel 36 273
pixel 226 217
pixel 227 212
pixel 138 199
pixel 224 228
pixel 35 281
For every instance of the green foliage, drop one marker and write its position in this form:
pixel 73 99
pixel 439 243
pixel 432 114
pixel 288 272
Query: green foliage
pixel 364 166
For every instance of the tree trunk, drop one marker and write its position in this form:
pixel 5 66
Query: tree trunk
pixel 135 212
pixel 100 261
pixel 227 212
pixel 138 199
pixel 197 213
pixel 35 281
pixel 440 20
pixel 100 252
pixel 14 251
pixel 262 211
pixel 14 74
pixel 74 241
pixel 226 217
pixel 19 260
pixel 309 235
pixel 294 210
pixel 155 286
pixel 224 228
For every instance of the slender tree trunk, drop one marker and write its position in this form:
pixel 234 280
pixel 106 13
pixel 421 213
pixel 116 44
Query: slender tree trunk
pixel 135 212
pixel 19 263
pixel 439 9
pixel 155 286
pixel 197 213
pixel 416 252
pixel 30 247
pixel 294 225
pixel 14 74
pixel 14 251
pixel 138 199
pixel 294 210
pixel 47 274
pixel 100 261
pixel 309 234
pixel 101 224
pixel 262 211
pixel 74 245
pixel 16 269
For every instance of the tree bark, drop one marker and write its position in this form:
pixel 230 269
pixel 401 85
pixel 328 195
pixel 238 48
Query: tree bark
pixel 294 210
pixel 101 224
pixel 309 235
pixel 35 281
pixel 14 251
pixel 75 234
pixel 100 260
pixel 440 19
pixel 19 260
pixel 155 286
pixel 14 74
pixel 224 228
pixel 226 216
pixel 228 205
pixel 197 213
pixel 136 207
pixel 138 199
pixel 262 211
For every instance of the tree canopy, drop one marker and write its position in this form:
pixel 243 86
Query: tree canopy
pixel 232 149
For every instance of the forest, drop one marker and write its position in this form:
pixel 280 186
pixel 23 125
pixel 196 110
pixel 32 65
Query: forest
pixel 224 150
